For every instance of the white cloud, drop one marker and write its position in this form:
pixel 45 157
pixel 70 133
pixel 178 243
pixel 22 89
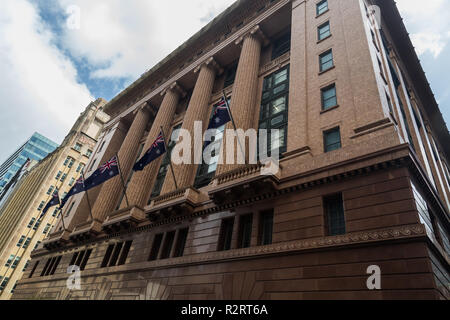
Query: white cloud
pixel 123 40
pixel 38 87
pixel 428 23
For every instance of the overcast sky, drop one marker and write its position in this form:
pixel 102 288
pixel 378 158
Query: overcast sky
pixel 51 71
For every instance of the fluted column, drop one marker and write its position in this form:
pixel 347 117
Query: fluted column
pixel 141 183
pixel 198 110
pixel 112 189
pixel 245 90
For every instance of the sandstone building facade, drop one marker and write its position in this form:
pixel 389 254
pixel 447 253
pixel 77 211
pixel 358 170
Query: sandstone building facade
pixel 364 176
pixel 21 230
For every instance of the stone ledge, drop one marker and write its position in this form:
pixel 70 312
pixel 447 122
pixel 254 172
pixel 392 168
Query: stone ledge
pixel 123 219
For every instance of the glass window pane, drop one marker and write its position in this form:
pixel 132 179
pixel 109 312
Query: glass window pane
pixel 280 77
pixel 278 105
pixel 277 120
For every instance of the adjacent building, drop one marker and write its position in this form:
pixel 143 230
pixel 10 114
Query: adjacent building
pixel 363 181
pixel 21 229
pixel 36 148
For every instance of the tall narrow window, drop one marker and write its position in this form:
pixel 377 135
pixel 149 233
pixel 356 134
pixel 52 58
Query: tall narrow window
pixel 332 140
pixel 107 256
pixel 245 231
pixel 281 45
pixel 391 110
pixel 207 171
pixel 266 228
pixel 115 254
pixel 85 259
pixel 226 233
pixel 10 260
pixel 334 214
pixel 181 242
pixel 41 205
pixel 124 254
pixel 162 173
pixel 168 242
pixel 324 31
pixel 230 75
pixel 155 247
pixel 274 109
pixel 32 221
pixel 34 269
pixel 326 60
pixel 50 190
pixel 322 7
pixel 21 240
pixel 329 98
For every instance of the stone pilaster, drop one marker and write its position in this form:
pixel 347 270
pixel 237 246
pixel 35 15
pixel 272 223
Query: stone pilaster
pixel 112 189
pixel 245 89
pixel 141 183
pixel 198 110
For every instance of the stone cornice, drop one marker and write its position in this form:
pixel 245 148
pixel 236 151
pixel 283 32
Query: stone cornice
pixel 411 232
pixel 255 32
pixel 210 63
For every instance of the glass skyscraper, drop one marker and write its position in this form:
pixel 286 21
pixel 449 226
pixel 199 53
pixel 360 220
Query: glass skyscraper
pixel 36 148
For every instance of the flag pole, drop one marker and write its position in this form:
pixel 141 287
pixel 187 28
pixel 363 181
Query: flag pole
pixel 234 124
pixel 170 160
pixel 87 197
pixel 123 181
pixel 62 219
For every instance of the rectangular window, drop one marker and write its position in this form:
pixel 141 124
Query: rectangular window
pixel 324 31
pixel 107 256
pixel 89 153
pixel 160 178
pixel 54 266
pixel 168 242
pixel 27 243
pixel 66 161
pixel 274 110
pixel 124 254
pixel 36 226
pixel 16 262
pixel 21 240
pixel 32 221
pixel 47 264
pixel 64 176
pixel 85 259
pixel 334 214
pixel 50 190
pixel 245 231
pixel 230 75
pixel 226 233
pixel 74 259
pixel 72 161
pixel 80 167
pixel 155 247
pixel 72 181
pixel 34 269
pixel 36 245
pixel 207 171
pixel 266 228
pixel 332 139
pixel 58 175
pixel 326 60
pixel 25 267
pixel 115 254
pixel 78 147
pixel 41 206
pixel 4 283
pixel 10 260
pixel 281 45
pixel 181 242
pixel 47 227
pixel 391 110
pixel 329 98
pixel 322 7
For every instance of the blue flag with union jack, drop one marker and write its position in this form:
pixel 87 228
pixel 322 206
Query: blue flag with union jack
pixel 157 149
pixel 221 115
pixel 54 201
pixel 107 171
pixel 77 188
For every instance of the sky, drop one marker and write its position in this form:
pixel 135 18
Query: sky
pixel 56 56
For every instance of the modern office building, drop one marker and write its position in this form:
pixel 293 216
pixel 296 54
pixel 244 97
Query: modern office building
pixel 36 148
pixel 363 183
pixel 21 226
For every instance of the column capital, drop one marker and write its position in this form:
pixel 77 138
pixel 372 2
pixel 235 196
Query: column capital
pixel 175 87
pixel 255 32
pixel 211 63
pixel 146 107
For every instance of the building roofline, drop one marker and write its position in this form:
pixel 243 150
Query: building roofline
pixel 408 56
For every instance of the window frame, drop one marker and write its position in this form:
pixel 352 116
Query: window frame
pixel 325 145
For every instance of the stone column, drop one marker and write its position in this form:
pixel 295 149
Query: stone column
pixel 141 183
pixel 245 90
pixel 198 110
pixel 112 189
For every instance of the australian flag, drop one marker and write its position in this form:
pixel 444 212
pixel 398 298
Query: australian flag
pixel 54 201
pixel 221 115
pixel 108 170
pixel 157 149
pixel 77 188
